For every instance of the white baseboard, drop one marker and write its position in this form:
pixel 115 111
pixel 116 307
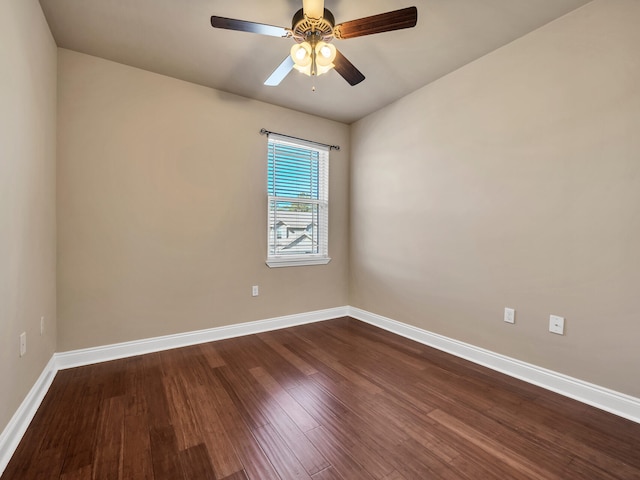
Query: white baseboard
pixel 608 400
pixel 599 397
pixel 13 432
pixel 87 356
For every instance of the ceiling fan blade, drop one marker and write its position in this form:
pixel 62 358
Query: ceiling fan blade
pixel 383 22
pixel 252 27
pixel 347 70
pixel 279 73
pixel 313 8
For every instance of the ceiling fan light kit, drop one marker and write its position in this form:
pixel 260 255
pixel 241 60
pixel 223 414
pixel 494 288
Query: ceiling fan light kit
pixel 313 28
pixel 313 54
pixel 313 60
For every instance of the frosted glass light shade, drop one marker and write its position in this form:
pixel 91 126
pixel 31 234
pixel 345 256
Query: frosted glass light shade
pixel 325 54
pixel 301 55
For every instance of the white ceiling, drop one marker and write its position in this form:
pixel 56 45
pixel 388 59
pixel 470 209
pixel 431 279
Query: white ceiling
pixel 175 38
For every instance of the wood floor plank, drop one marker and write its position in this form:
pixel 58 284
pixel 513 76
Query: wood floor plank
pixel 554 411
pixel 347 372
pixel 186 424
pixel 256 464
pixel 134 387
pixel 218 444
pixel 298 414
pixel 425 465
pixel 395 475
pixel 188 363
pixel 580 469
pixel 46 464
pixel 294 438
pixel 246 397
pixel 472 457
pixel 155 397
pixel 108 450
pixel 560 440
pixel 167 464
pixel 553 456
pixel 365 449
pixel 56 421
pixel 280 346
pixel 403 417
pixel 283 371
pixel 193 414
pixel 469 469
pixel 329 473
pixel 82 473
pixel 80 452
pixel 283 459
pixel 196 463
pixel 137 462
pixel 338 455
pixel 493 447
pixel 212 355
pixel 237 476
pixel 339 399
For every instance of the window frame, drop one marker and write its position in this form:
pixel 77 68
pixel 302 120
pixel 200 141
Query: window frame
pixel 322 202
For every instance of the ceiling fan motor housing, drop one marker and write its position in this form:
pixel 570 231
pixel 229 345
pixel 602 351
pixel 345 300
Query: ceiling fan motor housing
pixel 303 28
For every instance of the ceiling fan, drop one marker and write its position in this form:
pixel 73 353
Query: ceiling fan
pixel 313 28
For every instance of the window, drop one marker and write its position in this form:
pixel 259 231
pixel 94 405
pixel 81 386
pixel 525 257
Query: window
pixel 298 189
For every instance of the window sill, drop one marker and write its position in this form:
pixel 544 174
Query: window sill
pixel 296 262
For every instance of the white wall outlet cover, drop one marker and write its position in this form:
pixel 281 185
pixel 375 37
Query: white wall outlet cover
pixel 556 324
pixel 509 315
pixel 255 291
pixel 23 343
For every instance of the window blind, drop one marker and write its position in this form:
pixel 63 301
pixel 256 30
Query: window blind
pixel 297 177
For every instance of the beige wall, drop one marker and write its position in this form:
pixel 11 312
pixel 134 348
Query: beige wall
pixel 27 198
pixel 514 181
pixel 162 207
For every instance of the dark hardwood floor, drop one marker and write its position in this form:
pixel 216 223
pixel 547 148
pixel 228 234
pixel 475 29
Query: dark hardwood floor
pixel 332 400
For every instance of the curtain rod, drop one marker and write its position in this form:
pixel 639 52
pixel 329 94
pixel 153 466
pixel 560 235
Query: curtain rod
pixel 264 131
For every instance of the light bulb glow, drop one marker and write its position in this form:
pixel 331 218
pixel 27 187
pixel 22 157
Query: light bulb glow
pixel 325 55
pixel 301 55
pixel 325 51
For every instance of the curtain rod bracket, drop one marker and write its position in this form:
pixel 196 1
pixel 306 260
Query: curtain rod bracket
pixel 264 131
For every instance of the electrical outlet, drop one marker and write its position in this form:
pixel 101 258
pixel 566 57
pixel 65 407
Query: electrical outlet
pixel 556 324
pixel 41 325
pixel 509 315
pixel 23 344
pixel 255 291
